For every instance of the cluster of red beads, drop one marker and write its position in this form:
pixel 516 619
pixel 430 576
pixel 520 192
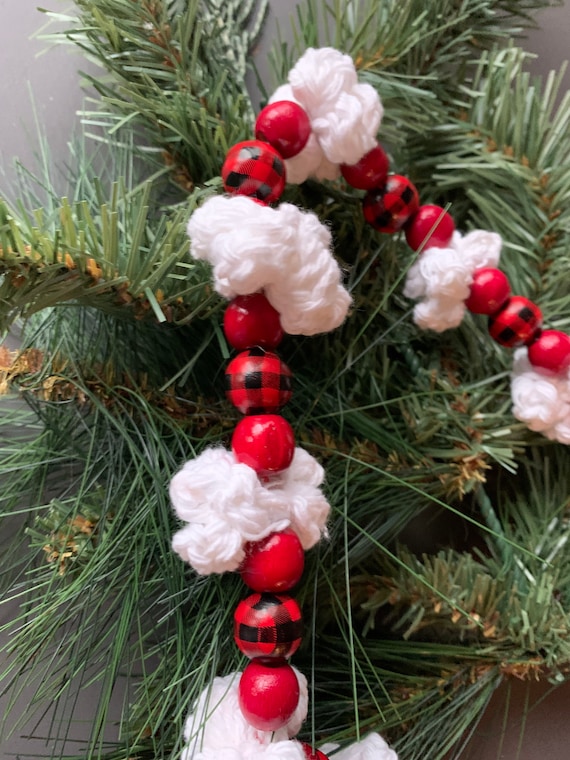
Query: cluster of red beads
pixel 268 623
pixel 392 204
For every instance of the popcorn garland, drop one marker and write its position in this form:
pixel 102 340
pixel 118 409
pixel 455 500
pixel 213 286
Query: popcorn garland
pixel 257 508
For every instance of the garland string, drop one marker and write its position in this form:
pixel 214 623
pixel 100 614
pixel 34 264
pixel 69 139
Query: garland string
pixel 258 507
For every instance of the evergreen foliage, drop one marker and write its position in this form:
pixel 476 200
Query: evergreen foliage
pixel 122 364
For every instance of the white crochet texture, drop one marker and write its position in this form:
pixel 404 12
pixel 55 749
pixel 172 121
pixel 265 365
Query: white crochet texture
pixel 217 730
pixel 372 747
pixel 442 277
pixel 540 400
pixel 283 251
pixel 345 115
pixel 227 505
pixel 311 160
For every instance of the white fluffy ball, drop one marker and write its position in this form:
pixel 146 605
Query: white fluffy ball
pixel 541 401
pixel 442 277
pixel 310 160
pixel 345 116
pixel 217 728
pixel 284 251
pixel 226 505
pixel 372 747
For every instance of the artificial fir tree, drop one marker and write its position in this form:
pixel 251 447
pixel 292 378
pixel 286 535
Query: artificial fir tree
pixel 122 369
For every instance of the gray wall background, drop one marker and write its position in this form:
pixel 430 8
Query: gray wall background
pixel 46 80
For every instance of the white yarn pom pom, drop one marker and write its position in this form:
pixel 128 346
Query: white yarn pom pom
pixel 542 402
pixel 283 750
pixel 439 314
pixel 284 251
pixel 307 162
pixel 326 170
pixel 308 294
pixel 479 248
pixel 226 505
pixel 445 272
pixel 372 747
pixel 297 494
pixel 344 115
pixel 320 76
pixel 442 277
pixel 217 728
pixel 241 239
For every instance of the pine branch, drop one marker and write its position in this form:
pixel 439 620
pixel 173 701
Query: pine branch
pixel 111 251
pixel 177 75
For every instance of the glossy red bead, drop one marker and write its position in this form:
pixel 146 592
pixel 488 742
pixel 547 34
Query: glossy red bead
pixel 255 169
pixel 490 289
pixel 268 693
pixel 268 625
pixel 551 352
pixel 430 227
pixel 258 382
pixel 285 126
pixel 313 754
pixel 388 209
pixel 516 323
pixel 264 442
pixel 273 564
pixel 252 321
pixel 370 172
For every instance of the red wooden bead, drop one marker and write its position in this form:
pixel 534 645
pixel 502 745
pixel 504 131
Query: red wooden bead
pixel 252 321
pixel 273 564
pixel 370 172
pixel 258 382
pixel 388 209
pixel 285 126
pixel 268 693
pixel 254 168
pixel 516 323
pixel 489 291
pixel 313 754
pixel 264 442
pixel 268 625
pixel 550 351
pixel 430 227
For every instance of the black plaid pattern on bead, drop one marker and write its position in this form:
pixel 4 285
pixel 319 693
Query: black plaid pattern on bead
pixel 268 625
pixel 254 169
pixel 516 324
pixel 388 209
pixel 258 382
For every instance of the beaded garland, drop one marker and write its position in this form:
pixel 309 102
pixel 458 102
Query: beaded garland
pixel 256 508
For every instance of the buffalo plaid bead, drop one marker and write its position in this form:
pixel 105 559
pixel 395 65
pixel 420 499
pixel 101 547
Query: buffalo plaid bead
pixel 255 169
pixel 388 208
pixel 268 625
pixel 517 323
pixel 258 382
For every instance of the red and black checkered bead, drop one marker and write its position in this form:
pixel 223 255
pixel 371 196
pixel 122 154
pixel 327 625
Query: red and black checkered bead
pixel 268 625
pixel 258 382
pixel 388 208
pixel 255 169
pixel 516 323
